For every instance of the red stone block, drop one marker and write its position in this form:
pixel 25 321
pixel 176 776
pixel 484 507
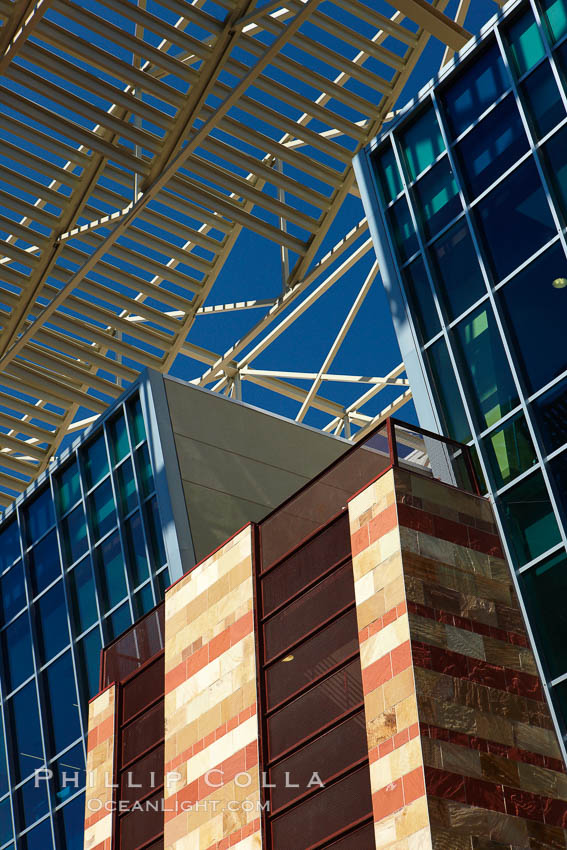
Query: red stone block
pixel 386 747
pixel 241 628
pixel 485 795
pixel 175 677
pixel 554 812
pixel 389 617
pixel 482 541
pixel 219 644
pixel 487 674
pixel 448 662
pixel 414 785
pixel 441 783
pixel 401 738
pixel 384 522
pixel 524 804
pixel 359 541
pixel 376 674
pixel 401 658
pixel 524 684
pixel 388 800
pixel 452 531
pixel 415 519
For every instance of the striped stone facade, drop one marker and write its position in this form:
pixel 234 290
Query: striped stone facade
pixel 100 771
pixel 462 748
pixel 211 740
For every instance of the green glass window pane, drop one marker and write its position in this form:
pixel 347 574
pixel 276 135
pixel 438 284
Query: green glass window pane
pixel 389 179
pixel 24 731
pixel 473 89
pixel 95 461
pixel 127 486
pixel 12 592
pixel 555 16
pixel 458 277
pixel 420 298
pixel 515 220
pixel 67 487
pixel 558 472
pixel 509 451
pixel 51 623
pixel 118 438
pixel 550 412
pixel 17 652
pixel 74 535
pixel 136 550
pixel 536 311
pixel 490 384
pixel 526 46
pixel 119 621
pixel 6 833
pixel 545 586
pixel 421 143
pixel 38 516
pixel 555 151
pixel 143 601
pixel 544 105
pixel 31 802
pixel 447 392
pixel 110 568
pixel 88 652
pixel 83 601
pixel 155 536
pixel 9 545
pixel 44 565
pixel 403 230
pixel 136 420
pixel 528 519
pixel 144 470
pixel 101 510
pixel 438 198
pixel 62 704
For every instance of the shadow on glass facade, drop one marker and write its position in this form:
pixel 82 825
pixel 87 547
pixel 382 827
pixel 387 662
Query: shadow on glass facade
pixel 466 197
pixel 81 558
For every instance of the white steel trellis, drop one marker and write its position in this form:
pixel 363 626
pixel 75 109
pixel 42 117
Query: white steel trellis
pixel 139 139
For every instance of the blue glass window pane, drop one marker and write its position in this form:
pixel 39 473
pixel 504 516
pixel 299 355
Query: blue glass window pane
pixel 544 105
pixel 545 586
pixel 83 601
pixel 447 392
pixel 536 312
pixel 38 838
pixel 62 704
pixel 17 650
pixel 44 563
pixel 24 732
pixel 491 387
pixel 144 470
pixel 110 567
pixel 556 158
pixel 12 592
pixel 136 420
pixel 153 526
pixel 405 238
pixel 68 774
pixel 136 550
pixel 528 519
pixel 9 545
pixel 555 16
pixel 438 199
pixel 127 485
pixel 471 92
pixel 67 487
pixel 550 412
pixel 6 833
pixel 492 147
pixel 95 461
pixel 421 143
pixel 31 803
pixel 163 582
pixel 515 220
pixel 38 516
pixel 389 180
pixel 509 451
pixel 101 509
pixel 88 651
pixel 456 269
pixel 526 46
pixel 51 623
pixel 75 542
pixel 3 767
pixel 118 438
pixel 70 823
pixel 119 621
pixel 420 299
pixel 143 601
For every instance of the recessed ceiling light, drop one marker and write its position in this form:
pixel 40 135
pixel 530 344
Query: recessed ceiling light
pixel 559 283
pixel 288 658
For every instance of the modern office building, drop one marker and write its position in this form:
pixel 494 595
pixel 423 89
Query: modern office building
pixel 351 673
pixel 466 194
pixel 162 479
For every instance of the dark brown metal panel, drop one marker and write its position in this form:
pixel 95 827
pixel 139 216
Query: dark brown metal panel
pixel 143 689
pixel 135 647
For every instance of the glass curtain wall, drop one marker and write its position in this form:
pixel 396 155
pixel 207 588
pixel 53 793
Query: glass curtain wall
pixel 80 560
pixel 472 189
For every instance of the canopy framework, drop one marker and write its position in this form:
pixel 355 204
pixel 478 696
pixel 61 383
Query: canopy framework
pixel 139 140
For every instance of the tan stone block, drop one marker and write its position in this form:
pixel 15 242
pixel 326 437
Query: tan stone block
pixel 374 703
pixel 427 631
pixel 464 642
pixel 395 593
pixel 413 818
pixel 407 713
pixel 428 683
pixel 536 739
pixel 366 561
pixel 495 728
pixel 370 610
pixel 385 832
pixel 462 760
pixel 399 687
pixel 538 780
pixel 380 728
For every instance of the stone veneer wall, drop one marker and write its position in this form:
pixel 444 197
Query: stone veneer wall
pixel 100 770
pixel 462 748
pixel 210 704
